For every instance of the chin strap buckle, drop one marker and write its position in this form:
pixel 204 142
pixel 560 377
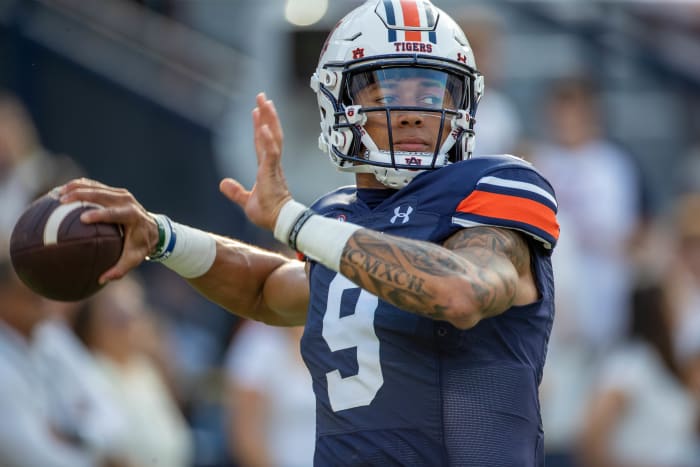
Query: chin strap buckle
pixel 354 116
pixel 461 121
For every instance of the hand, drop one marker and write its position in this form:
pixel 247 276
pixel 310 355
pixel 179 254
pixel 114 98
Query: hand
pixel 120 207
pixel 263 202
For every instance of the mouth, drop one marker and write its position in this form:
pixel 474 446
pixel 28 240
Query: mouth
pixel 412 145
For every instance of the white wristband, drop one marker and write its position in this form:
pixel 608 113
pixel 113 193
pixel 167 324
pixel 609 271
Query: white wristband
pixel 289 214
pixel 194 252
pixel 320 238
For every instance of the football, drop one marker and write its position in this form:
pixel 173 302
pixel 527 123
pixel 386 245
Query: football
pixel 58 256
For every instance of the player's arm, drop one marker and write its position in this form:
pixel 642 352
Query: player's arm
pixel 246 280
pixel 479 272
pixel 256 284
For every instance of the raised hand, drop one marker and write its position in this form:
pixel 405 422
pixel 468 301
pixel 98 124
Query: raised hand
pixel 120 207
pixel 263 202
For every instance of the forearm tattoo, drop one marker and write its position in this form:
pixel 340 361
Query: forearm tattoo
pixel 478 261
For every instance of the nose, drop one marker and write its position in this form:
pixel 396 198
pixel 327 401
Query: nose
pixel 409 119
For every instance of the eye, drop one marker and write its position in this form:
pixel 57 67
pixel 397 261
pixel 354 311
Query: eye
pixel 385 99
pixel 430 100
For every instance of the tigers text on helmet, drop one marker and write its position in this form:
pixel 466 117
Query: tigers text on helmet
pixel 380 53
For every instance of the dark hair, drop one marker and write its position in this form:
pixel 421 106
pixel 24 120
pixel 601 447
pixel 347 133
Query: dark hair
pixel 573 87
pixel 650 322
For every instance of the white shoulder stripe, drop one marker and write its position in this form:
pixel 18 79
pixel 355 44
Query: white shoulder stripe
pixel 53 223
pixel 519 186
pixel 467 223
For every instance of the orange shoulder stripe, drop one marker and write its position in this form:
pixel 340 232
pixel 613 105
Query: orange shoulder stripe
pixel 512 208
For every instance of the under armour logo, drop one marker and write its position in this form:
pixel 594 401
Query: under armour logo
pixel 461 58
pixel 401 215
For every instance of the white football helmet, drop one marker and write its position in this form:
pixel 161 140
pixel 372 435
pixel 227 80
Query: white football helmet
pixel 379 44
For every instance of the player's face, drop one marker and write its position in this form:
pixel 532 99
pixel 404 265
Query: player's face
pixel 402 91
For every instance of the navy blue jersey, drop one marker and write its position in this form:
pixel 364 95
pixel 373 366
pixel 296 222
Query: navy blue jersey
pixel 395 388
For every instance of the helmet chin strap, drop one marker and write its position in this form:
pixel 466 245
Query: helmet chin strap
pixel 391 178
pixel 388 176
pixel 395 178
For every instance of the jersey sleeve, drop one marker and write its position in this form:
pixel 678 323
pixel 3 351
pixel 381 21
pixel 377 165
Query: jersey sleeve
pixel 515 198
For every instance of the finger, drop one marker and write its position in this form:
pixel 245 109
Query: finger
pixel 80 183
pixel 256 134
pixel 102 195
pixel 265 145
pixel 273 121
pixel 267 150
pixel 136 248
pixel 125 215
pixel 234 191
pixel 257 111
pixel 260 99
pixel 269 116
pixel 271 150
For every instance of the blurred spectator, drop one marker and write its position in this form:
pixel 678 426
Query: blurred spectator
pixel 682 280
pixel 196 333
pixel 498 125
pixel 271 403
pixel 687 347
pixel 685 173
pixel 82 401
pixel 597 188
pixel 682 285
pixel 661 20
pixel 114 325
pixel 28 435
pixel 27 169
pixel 642 413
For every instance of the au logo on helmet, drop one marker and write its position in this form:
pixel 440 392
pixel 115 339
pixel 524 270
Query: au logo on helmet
pixel 409 20
pixel 358 53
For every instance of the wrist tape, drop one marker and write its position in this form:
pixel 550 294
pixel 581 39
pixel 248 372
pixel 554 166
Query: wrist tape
pixel 187 251
pixel 319 238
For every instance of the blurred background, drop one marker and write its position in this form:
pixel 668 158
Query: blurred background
pixel 155 96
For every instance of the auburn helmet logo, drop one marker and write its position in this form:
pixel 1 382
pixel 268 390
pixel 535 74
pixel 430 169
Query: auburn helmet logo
pixel 409 20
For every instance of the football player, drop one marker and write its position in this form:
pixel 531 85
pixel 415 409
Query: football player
pixel 425 289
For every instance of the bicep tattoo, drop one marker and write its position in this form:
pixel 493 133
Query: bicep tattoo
pixel 485 242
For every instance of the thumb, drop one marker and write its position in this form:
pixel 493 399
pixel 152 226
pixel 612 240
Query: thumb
pixel 234 191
